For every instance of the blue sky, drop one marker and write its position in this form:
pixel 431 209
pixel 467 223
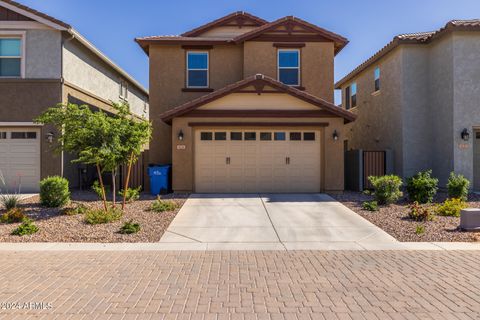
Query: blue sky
pixel 111 25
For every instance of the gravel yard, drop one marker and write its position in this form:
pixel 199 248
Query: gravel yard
pixel 54 226
pixel 394 219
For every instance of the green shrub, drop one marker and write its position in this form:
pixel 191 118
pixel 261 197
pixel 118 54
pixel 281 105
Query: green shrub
pixel 73 211
pixel 457 186
pixel 9 201
pixel 130 227
pixel 98 190
pixel 370 205
pixel 451 207
pixel 386 188
pixel 422 187
pixel 99 216
pixel 160 205
pixel 27 227
pixel 13 215
pixel 420 229
pixel 54 192
pixel 132 194
pixel 418 212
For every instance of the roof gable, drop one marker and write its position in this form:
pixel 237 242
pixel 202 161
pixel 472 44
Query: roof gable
pixel 24 13
pixel 237 19
pixel 10 15
pixel 257 84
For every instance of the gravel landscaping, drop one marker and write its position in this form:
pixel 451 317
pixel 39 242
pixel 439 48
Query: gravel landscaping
pixel 394 219
pixel 55 226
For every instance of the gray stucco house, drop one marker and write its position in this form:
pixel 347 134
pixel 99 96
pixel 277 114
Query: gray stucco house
pixel 419 97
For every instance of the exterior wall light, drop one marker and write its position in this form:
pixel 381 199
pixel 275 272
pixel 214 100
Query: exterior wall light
pixel 49 137
pixel 180 135
pixel 335 135
pixel 465 135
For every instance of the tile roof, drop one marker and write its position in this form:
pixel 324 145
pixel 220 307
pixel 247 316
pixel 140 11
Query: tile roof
pixel 412 38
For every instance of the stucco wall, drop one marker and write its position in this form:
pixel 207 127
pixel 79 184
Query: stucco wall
pixel 85 70
pixel 43 54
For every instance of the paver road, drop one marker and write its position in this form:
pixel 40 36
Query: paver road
pixel 242 285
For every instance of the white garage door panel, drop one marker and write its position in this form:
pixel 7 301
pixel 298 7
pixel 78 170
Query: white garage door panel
pixel 257 166
pixel 20 160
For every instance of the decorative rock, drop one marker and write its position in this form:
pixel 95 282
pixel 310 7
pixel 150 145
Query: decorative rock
pixel 470 219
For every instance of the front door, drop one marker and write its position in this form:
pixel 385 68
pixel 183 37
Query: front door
pixel 476 161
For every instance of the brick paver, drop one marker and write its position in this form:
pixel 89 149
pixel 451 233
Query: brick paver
pixel 242 285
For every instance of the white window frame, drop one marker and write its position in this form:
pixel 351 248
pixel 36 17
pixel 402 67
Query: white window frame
pixel 16 35
pixel 123 89
pixel 207 69
pixel 298 68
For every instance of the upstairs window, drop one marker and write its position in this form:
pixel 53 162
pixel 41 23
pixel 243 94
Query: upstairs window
pixel 289 66
pixel 123 90
pixel 376 75
pixel 353 95
pixel 197 69
pixel 10 57
pixel 347 98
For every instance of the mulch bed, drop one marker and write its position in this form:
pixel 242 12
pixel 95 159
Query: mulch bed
pixel 394 219
pixel 54 226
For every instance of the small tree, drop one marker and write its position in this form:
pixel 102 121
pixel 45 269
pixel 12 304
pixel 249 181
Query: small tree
pixel 106 141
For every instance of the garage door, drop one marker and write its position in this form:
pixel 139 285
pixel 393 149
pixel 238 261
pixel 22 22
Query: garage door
pixel 20 158
pixel 250 161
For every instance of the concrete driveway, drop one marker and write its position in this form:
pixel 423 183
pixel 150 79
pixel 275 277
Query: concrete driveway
pixel 271 221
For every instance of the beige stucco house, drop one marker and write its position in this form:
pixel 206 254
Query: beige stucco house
pixel 241 104
pixel 418 96
pixel 43 62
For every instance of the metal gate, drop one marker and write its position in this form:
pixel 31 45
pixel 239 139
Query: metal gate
pixel 360 164
pixel 373 165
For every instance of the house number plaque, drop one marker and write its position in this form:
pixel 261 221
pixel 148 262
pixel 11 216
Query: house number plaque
pixel 181 147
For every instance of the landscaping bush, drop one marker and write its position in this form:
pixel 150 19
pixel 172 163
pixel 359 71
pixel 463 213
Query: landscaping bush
pixel 98 189
pixel 457 186
pixel 13 215
pixel 130 227
pixel 386 188
pixel 98 216
pixel 160 205
pixel 420 229
pixel 54 192
pixel 9 201
pixel 422 187
pixel 420 213
pixel 370 205
pixel 27 227
pixel 451 207
pixel 73 211
pixel 131 194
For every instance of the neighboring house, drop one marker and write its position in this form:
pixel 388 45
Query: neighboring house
pixel 43 62
pixel 245 105
pixel 419 97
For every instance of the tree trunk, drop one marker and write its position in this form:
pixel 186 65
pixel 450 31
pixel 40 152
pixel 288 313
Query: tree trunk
pixel 104 197
pixel 114 196
pixel 127 180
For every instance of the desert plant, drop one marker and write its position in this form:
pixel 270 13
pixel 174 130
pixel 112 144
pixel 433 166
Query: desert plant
pixel 129 227
pixel 457 186
pixel 422 187
pixel 370 206
pixel 418 212
pixel 54 192
pixel 27 227
pixel 161 205
pixel 420 229
pixel 96 216
pixel 9 201
pixel 98 189
pixel 78 209
pixel 13 215
pixel 451 207
pixel 386 188
pixel 132 194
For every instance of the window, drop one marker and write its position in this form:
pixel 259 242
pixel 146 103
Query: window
pixel 295 136
pixel 376 74
pixel 236 136
pixel 3 135
pixel 265 136
pixel 206 136
pixel 24 135
pixel 197 69
pixel 220 136
pixel 250 136
pixel 289 66
pixel 353 95
pixel 123 89
pixel 279 136
pixel 10 57
pixel 309 136
pixel 347 98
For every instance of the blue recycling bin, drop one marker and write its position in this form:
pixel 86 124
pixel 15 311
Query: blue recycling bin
pixel 159 179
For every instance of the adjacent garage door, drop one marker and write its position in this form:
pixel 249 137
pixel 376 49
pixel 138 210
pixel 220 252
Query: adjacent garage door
pixel 20 158
pixel 250 161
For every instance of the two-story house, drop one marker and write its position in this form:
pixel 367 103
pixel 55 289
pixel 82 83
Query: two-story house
pixel 44 62
pixel 241 104
pixel 418 96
